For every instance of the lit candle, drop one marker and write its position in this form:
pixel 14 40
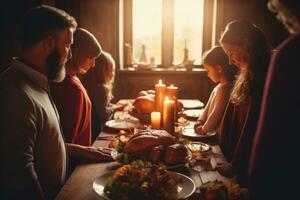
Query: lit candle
pixel 172 93
pixel 160 90
pixel 168 116
pixel 155 120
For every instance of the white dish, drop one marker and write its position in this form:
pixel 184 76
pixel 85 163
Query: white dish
pixel 190 132
pixel 185 188
pixel 193 113
pixel 121 124
pixel 191 103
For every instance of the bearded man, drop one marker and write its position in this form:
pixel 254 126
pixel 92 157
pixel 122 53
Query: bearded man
pixel 32 149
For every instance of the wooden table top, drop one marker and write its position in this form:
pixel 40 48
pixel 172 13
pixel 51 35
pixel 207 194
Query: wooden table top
pixel 80 184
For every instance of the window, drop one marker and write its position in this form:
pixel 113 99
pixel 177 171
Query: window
pixel 166 33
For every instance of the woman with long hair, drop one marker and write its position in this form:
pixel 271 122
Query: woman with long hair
pixel 248 49
pixel 72 101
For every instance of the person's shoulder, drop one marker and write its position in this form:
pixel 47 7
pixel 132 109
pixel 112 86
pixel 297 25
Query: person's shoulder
pixel 225 86
pixel 70 84
pixel 290 44
pixel 15 88
pixel 287 54
pixel 224 90
pixel 14 81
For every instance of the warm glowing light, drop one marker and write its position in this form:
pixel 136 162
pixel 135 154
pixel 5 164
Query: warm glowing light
pixel 155 120
pixel 188 29
pixel 147 28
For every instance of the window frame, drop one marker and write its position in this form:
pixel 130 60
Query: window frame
pixel 212 24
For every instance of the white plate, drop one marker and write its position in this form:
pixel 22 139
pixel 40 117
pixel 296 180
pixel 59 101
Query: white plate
pixel 191 103
pixel 193 113
pixel 121 124
pixel 185 188
pixel 190 132
pixel 114 154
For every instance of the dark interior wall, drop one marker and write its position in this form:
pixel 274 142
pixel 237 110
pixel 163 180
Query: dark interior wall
pixel 256 11
pixel 11 13
pixel 100 17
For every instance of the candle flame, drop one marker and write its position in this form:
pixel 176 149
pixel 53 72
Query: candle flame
pixel 172 85
pixel 167 99
pixel 159 82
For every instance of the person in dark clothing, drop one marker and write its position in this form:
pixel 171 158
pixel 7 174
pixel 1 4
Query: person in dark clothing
pixel 248 49
pixel 32 150
pixel 274 164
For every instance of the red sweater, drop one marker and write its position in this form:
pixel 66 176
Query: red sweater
pixel 74 107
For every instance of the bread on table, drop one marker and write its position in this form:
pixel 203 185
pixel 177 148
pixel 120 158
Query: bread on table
pixel 143 104
pixel 175 154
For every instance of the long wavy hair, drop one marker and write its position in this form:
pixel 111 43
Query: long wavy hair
pixel 103 73
pixel 85 45
pixel 250 81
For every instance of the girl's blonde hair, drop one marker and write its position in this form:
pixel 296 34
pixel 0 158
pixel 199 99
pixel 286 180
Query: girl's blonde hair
pixel 85 45
pixel 107 68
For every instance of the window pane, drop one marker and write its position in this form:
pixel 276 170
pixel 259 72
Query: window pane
pixel 188 30
pixel 147 26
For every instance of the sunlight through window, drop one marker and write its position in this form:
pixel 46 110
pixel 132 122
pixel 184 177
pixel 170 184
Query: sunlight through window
pixel 147 26
pixel 188 30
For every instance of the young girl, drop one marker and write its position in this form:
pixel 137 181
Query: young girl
pixel 99 85
pixel 247 48
pixel 216 63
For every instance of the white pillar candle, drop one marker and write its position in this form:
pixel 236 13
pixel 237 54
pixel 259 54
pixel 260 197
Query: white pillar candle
pixel 168 116
pixel 160 89
pixel 155 120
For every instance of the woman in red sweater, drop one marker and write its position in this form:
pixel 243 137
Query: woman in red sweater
pixel 72 100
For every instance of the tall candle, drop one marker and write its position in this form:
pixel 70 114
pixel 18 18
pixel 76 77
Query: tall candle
pixel 172 93
pixel 160 90
pixel 155 120
pixel 168 116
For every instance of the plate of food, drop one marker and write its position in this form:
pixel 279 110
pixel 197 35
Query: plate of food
pixel 189 132
pixel 143 180
pixel 121 124
pixel 155 146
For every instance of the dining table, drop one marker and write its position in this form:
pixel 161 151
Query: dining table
pixel 79 184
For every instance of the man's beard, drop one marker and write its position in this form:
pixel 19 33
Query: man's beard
pixel 55 66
